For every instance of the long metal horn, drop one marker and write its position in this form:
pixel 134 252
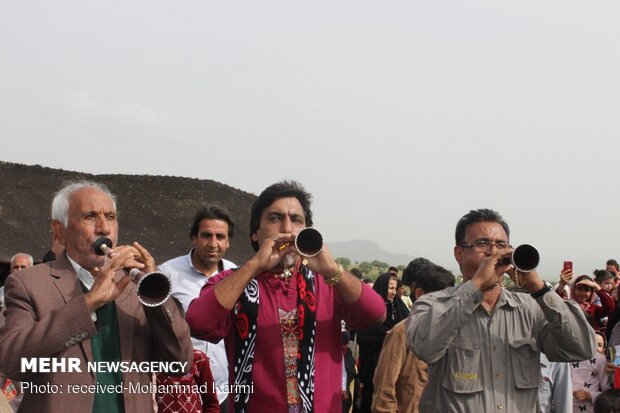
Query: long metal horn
pixel 154 288
pixel 525 258
pixel 309 242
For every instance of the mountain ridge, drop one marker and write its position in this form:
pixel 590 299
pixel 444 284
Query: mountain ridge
pixel 364 250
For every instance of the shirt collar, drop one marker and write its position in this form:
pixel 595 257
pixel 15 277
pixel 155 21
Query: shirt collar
pixel 507 298
pixel 84 276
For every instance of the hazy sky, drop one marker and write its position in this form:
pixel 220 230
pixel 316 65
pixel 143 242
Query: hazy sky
pixel 399 116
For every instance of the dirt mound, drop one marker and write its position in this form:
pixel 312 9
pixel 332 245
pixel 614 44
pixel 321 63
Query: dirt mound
pixel 157 211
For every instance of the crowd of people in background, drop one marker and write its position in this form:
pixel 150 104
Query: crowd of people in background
pixel 397 377
pixel 410 343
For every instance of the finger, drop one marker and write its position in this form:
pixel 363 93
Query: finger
pixel 119 261
pixel 501 260
pixel 283 242
pixel 286 249
pixel 506 252
pixel 284 238
pixel 132 263
pixel 126 248
pixel 123 282
pixel 143 252
pixel 325 253
pixel 107 272
pixel 501 254
pixel 267 244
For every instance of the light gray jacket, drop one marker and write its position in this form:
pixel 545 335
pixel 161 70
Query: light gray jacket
pixel 484 362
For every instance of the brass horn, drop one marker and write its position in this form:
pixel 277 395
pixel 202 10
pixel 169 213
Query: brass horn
pixel 154 288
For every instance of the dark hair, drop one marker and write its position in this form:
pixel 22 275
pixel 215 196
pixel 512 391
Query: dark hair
pixel 589 318
pixel 599 333
pixel 212 212
pixel 608 402
pixel 612 262
pixel 284 189
pixel 413 269
pixel 581 278
pixel 49 256
pixel 434 278
pixel 392 268
pixel 357 272
pixel 602 276
pixel 475 216
pixel 367 280
pixel 346 336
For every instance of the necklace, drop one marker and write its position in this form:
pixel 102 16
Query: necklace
pixel 286 274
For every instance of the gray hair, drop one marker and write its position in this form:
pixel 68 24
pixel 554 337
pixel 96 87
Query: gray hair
pixel 60 201
pixel 30 259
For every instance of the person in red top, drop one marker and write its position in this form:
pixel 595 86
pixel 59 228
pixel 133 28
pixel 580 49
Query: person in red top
pixel 584 291
pixel 182 398
pixel 281 315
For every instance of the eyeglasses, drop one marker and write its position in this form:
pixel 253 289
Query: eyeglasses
pixel 486 245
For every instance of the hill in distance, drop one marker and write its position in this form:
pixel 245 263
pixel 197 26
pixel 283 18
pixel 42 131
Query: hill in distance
pixel 363 250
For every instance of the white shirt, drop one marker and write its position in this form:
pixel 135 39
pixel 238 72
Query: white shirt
pixel 86 278
pixel 186 284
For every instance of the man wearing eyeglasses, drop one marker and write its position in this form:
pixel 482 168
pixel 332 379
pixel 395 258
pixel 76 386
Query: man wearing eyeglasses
pixel 482 342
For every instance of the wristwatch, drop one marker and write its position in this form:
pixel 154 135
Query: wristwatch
pixel 547 287
pixel 335 280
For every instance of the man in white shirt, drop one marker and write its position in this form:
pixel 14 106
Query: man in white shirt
pixel 210 234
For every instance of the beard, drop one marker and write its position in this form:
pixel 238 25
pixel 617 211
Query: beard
pixel 289 260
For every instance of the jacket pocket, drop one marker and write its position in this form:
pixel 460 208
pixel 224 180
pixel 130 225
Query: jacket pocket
pixel 462 373
pixel 525 358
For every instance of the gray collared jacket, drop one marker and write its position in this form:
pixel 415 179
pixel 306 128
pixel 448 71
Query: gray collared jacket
pixel 482 361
